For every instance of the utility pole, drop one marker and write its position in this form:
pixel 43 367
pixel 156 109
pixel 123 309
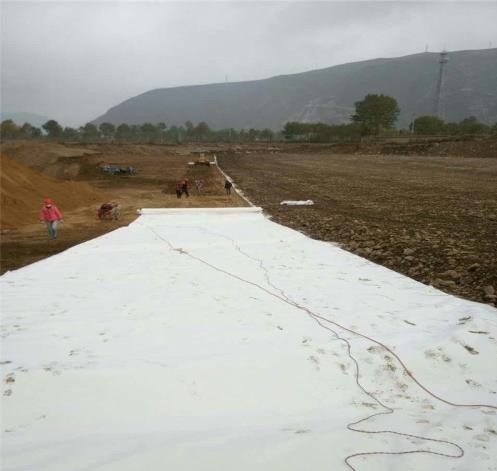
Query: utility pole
pixel 442 61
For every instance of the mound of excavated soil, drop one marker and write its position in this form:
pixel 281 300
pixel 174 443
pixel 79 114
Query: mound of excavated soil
pixel 23 189
pixel 43 155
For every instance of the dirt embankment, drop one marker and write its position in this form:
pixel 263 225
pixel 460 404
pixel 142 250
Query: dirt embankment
pixel 72 176
pixel 23 190
pixel 431 218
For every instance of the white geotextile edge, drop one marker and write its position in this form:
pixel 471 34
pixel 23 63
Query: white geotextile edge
pixel 189 211
pixel 240 192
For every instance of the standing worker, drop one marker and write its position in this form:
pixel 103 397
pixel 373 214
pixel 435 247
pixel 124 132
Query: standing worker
pixel 227 186
pixel 51 215
pixel 184 187
pixel 179 185
pixel 199 184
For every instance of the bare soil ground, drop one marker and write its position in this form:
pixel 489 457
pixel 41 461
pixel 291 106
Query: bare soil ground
pixel 432 218
pixel 34 170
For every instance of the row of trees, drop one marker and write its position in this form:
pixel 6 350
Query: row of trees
pixel 134 133
pixel 431 125
pixel 377 115
pixel 422 126
pixel 374 115
pixel 321 132
pixel 11 130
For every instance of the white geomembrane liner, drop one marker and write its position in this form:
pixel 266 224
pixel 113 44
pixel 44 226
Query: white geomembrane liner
pixel 173 344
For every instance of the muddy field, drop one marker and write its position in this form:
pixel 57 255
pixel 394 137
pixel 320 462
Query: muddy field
pixel 431 218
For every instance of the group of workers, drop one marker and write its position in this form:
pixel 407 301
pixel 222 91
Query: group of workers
pixel 51 215
pixel 182 187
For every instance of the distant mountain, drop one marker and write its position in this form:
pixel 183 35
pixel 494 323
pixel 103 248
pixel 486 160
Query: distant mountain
pixel 327 95
pixel 21 117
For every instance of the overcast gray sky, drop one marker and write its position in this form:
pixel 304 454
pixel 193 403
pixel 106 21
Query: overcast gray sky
pixel 72 61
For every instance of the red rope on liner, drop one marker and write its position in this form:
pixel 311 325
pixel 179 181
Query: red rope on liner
pixel 318 318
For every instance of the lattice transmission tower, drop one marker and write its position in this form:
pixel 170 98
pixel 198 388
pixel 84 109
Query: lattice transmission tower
pixel 442 61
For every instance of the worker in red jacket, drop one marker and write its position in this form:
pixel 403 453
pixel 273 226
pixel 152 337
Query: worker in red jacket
pixel 184 187
pixel 51 215
pixel 179 186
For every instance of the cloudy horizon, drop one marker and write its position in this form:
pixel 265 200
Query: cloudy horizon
pixel 72 61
